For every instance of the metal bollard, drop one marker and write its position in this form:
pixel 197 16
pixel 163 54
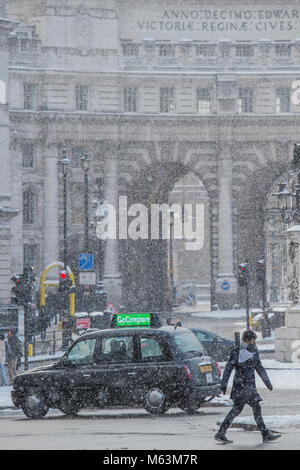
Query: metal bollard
pixel 237 338
pixel 54 343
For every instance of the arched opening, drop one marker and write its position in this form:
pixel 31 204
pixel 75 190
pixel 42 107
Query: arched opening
pixel 189 269
pixel 148 278
pixel 259 233
pixel 281 268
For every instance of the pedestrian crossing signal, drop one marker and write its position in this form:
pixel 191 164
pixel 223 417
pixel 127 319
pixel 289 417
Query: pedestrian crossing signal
pixel 243 274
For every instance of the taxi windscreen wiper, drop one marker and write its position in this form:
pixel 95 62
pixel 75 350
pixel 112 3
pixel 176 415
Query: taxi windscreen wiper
pixel 197 353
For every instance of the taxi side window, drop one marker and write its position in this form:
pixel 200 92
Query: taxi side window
pixel 152 349
pixel 116 349
pixel 82 352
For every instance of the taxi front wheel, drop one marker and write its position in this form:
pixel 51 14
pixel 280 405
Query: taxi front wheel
pixel 34 405
pixel 156 401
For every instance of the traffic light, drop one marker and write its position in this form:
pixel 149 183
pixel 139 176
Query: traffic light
pixel 65 284
pixel 243 274
pixel 17 291
pixel 29 274
pixel 62 281
pixel 260 270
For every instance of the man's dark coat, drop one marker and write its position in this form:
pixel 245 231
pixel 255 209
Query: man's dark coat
pixel 244 387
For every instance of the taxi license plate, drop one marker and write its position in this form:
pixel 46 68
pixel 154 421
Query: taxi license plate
pixel 207 368
pixel 209 378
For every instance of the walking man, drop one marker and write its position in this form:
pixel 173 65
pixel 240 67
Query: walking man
pixel 245 359
pixel 3 359
pixel 15 353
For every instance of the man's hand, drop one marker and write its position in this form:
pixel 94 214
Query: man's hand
pixel 270 387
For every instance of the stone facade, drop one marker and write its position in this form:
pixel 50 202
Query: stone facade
pixel 151 91
pixel 6 210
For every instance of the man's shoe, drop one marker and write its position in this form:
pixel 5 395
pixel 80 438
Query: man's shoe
pixel 220 436
pixel 271 437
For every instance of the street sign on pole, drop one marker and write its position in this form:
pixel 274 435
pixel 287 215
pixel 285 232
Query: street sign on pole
pixel 87 278
pixel 85 261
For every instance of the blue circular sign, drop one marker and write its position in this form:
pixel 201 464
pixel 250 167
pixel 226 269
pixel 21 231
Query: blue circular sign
pixel 225 285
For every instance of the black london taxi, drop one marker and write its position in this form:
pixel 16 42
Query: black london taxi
pixel 133 364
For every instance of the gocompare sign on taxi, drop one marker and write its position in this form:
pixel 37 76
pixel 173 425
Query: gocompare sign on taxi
pixel 133 319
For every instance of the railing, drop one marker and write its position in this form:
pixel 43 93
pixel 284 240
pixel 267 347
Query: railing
pixel 48 343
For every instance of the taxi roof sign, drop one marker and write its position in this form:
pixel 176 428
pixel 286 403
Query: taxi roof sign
pixel 136 319
pixel 133 319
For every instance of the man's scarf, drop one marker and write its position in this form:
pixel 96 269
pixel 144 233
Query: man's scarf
pixel 245 354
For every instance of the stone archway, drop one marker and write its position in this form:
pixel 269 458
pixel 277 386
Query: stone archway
pixel 144 264
pixel 256 169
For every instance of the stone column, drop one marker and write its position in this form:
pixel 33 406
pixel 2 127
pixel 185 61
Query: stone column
pixel 111 276
pixel 5 251
pixel 6 213
pixel 51 248
pixel 226 284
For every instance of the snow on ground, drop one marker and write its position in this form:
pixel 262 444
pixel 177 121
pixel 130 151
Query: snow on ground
pixel 272 422
pixel 228 314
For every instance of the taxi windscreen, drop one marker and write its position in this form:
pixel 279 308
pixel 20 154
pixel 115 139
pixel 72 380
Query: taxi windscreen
pixel 188 342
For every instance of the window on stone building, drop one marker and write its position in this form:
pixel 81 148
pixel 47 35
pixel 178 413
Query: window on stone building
pixel 283 50
pixel 130 100
pixel 203 100
pixel 77 154
pixel 166 50
pixel 283 100
pixel 28 155
pixel 167 100
pixel 24 45
pixel 81 95
pixel 28 207
pixel 30 95
pixel 34 45
pixel 205 50
pixel 29 255
pixel 130 50
pixel 244 50
pixel 245 100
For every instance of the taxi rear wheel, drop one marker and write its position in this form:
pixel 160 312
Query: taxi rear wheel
pixel 69 408
pixel 189 407
pixel 190 404
pixel 156 401
pixel 34 405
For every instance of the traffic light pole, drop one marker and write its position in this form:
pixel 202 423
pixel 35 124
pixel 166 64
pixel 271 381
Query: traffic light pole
pixel 247 293
pixel 26 342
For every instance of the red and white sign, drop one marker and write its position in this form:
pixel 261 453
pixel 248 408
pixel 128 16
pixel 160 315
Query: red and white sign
pixel 83 323
pixel 110 306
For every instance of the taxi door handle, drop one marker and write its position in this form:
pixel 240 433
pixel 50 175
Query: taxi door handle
pixel 131 373
pixel 86 375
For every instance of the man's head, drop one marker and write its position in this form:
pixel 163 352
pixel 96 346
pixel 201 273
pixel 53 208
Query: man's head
pixel 249 337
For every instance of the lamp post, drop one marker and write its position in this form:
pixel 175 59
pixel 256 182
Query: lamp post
pixel 85 164
pixel 66 332
pixel 64 161
pixel 288 195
